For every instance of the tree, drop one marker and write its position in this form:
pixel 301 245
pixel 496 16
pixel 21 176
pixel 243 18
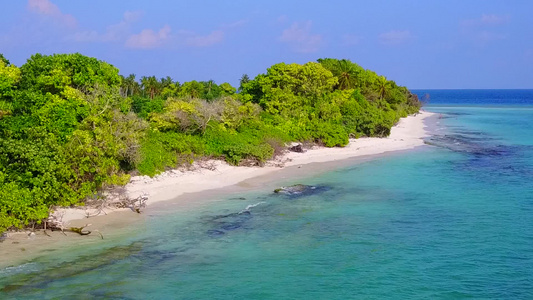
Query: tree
pixel 9 80
pixel 3 59
pixel 129 85
pixel 172 90
pixel 193 89
pixel 67 129
pixel 53 73
pixel 290 86
pixel 150 85
pixel 165 82
pixel 383 87
pixel 211 90
pixel 347 73
pixel 226 89
pixel 244 80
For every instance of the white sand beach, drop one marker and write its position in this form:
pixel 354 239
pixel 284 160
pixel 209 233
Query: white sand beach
pixel 407 134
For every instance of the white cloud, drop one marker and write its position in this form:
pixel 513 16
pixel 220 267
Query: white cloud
pixel 299 36
pixel 395 37
pixel 148 39
pixel 213 38
pixel 113 33
pixel 49 9
pixel 486 20
pixel 494 19
pixel 484 29
pixel 132 16
pixel 487 36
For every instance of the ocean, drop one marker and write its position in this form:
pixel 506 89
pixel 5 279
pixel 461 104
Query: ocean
pixel 450 220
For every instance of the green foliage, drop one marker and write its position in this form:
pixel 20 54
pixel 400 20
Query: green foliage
pixel 237 146
pixel 68 134
pixel 34 175
pixel 9 80
pixel 329 101
pixel 70 125
pixel 348 74
pixel 162 150
pixel 331 135
pixel 55 72
pixel 286 87
pixel 4 60
pixel 192 89
pixel 143 106
pixel 226 89
pixel 171 90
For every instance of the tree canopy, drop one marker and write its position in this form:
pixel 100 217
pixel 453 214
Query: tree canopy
pixel 70 125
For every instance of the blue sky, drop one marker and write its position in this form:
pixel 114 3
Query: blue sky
pixel 419 44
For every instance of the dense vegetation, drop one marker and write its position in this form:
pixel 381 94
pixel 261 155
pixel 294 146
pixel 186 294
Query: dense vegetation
pixel 70 125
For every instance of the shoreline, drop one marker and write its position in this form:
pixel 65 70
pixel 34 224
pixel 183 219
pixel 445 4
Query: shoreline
pixel 216 174
pixel 180 188
pixel 170 185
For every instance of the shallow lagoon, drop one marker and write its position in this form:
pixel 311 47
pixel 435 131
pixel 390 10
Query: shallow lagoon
pixel 446 221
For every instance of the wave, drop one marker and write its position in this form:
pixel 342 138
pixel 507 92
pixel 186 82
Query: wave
pixel 24 268
pixel 247 209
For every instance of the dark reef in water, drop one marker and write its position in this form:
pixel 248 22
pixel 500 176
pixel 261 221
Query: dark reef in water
pixel 228 222
pixel 301 190
pixel 220 225
pixel 484 152
pixel 37 281
pixel 449 115
pixel 473 144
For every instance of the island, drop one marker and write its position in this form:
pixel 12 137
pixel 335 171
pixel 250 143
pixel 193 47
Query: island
pixel 73 130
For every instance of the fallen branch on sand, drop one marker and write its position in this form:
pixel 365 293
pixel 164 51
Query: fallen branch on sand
pixel 55 223
pixel 134 204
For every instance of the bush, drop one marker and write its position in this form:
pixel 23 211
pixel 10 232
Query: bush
pixel 143 106
pixel 160 150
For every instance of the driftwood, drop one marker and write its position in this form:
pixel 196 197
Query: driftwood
pixel 135 204
pixel 79 230
pixel 55 223
pixel 297 148
pixel 115 198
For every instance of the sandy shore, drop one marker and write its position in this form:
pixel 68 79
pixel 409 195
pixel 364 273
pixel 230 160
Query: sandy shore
pixel 407 134
pixel 173 185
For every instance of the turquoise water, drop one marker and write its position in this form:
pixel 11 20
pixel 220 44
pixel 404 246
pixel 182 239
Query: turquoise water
pixel 448 221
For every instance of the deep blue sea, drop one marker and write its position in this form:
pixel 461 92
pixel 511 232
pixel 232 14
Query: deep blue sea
pixel 450 220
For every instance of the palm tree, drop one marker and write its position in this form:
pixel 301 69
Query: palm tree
pixel 211 90
pixel 244 80
pixel 192 89
pixel 128 84
pixel 150 85
pixel 383 86
pixel 166 82
pixel 346 72
pixel 209 85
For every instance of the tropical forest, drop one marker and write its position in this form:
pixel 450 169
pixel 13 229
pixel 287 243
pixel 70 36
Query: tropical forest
pixel 72 126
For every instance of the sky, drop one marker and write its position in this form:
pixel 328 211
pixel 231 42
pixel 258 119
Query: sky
pixel 428 44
